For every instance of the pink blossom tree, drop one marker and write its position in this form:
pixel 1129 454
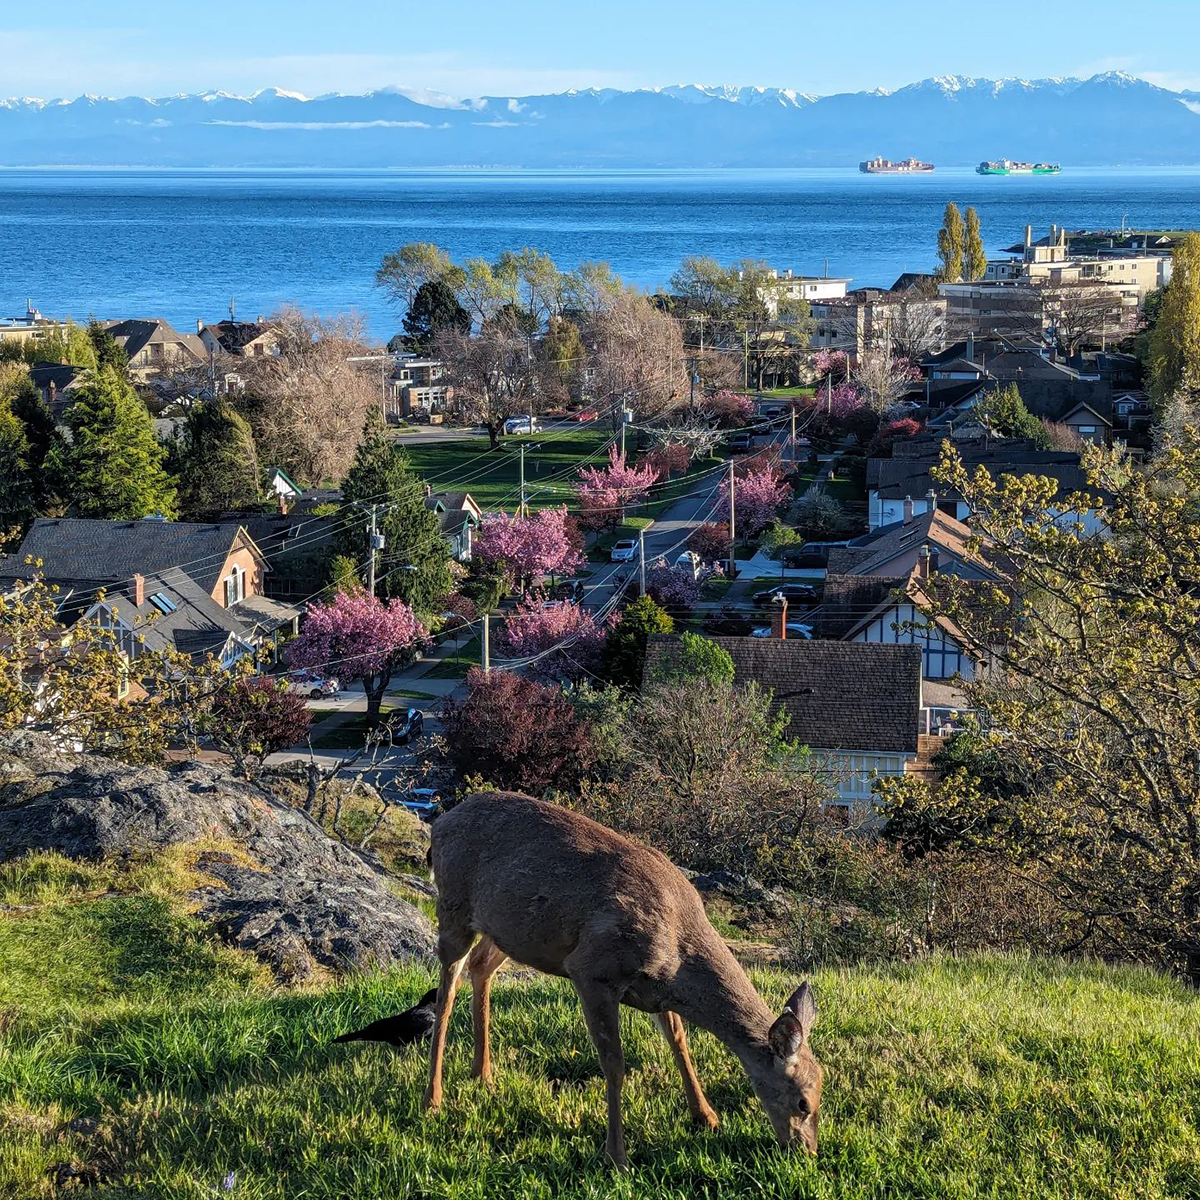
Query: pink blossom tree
pixel 730 409
pixel 356 636
pixel 526 548
pixel 757 498
pixel 566 635
pixel 605 493
pixel 830 362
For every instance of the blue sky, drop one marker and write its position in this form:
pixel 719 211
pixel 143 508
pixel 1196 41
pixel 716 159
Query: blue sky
pixel 516 47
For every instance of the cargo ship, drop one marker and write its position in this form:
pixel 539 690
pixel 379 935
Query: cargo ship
pixel 885 166
pixel 1008 167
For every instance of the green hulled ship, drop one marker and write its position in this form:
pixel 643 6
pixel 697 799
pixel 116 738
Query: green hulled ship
pixel 1007 167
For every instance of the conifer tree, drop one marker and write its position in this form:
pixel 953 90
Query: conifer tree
pixel 413 565
pixel 114 466
pixel 16 485
pixel 1175 340
pixel 217 462
pixel 434 308
pixel 42 436
pixel 950 245
pixel 975 260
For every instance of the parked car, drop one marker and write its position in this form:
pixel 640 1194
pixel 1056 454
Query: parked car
pixel 793 593
pixel 623 551
pixel 741 442
pixel 523 424
pixel 689 560
pixel 309 683
pixel 425 802
pixel 586 415
pixel 794 630
pixel 412 726
pixel 812 555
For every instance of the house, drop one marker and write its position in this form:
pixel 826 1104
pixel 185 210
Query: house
pixel 154 346
pixel 290 495
pixel 194 586
pixel 30 327
pixel 859 707
pixel 869 317
pixel 1087 424
pixel 242 339
pixel 297 544
pixel 460 517
pixel 894 550
pixel 415 387
pixel 56 384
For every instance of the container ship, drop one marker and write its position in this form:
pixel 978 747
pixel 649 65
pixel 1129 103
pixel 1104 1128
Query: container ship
pixel 885 166
pixel 1007 167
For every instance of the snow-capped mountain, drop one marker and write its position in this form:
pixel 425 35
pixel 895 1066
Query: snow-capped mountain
pixel 952 120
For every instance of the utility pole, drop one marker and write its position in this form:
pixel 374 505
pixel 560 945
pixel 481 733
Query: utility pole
pixel 485 646
pixel 793 434
pixel 377 543
pixel 641 562
pixel 522 511
pixel 745 359
pixel 732 519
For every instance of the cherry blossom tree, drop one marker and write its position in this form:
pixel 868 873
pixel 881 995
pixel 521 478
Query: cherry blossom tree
pixel 758 497
pixel 526 548
pixel 830 362
pixel 359 637
pixel 675 589
pixel 730 409
pixel 669 458
pixel 534 628
pixel 710 540
pixel 605 493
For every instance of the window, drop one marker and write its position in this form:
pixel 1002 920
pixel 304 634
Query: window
pixel 163 602
pixel 235 586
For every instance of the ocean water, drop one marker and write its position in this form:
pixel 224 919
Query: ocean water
pixel 181 244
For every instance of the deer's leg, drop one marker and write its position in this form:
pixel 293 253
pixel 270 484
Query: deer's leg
pixel 600 1011
pixel 483 963
pixel 453 959
pixel 671 1025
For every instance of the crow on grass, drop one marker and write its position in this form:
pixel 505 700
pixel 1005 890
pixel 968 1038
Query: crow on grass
pixel 403 1029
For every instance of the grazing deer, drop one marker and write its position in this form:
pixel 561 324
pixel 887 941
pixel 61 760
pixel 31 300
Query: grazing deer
pixel 558 892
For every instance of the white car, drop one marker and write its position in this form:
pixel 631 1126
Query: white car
pixel 525 424
pixel 623 551
pixel 794 630
pixel 311 684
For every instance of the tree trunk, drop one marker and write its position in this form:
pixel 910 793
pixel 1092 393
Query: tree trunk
pixel 493 432
pixel 375 690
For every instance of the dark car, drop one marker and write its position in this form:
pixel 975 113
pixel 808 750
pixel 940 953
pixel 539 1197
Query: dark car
pixel 793 593
pixel 741 442
pixel 810 556
pixel 411 727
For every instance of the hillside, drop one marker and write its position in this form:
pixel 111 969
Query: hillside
pixel 1112 118
pixel 139 1056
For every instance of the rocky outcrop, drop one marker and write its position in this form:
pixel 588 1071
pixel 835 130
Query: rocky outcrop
pixel 280 886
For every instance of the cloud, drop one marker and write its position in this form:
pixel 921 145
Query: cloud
pixel 323 125
pixel 496 124
pixel 515 106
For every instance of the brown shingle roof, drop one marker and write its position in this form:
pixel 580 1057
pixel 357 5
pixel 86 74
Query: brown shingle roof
pixel 838 695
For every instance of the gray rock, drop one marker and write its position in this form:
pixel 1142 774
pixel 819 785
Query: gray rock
pixel 745 890
pixel 285 890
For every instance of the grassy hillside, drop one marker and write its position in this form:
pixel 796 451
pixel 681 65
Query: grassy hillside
pixel 196 1077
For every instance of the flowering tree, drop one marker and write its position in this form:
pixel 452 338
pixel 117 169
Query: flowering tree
pixel 892 431
pixel 710 540
pixel 604 493
pixel 358 637
pixel 252 717
pixel 758 497
pixel 533 628
pixel 516 733
pixel 730 409
pixel 670 458
pixel 830 362
pixel 525 548
pixel 675 589
pixel 883 378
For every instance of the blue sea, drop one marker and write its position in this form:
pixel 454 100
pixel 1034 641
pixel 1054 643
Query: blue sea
pixel 181 244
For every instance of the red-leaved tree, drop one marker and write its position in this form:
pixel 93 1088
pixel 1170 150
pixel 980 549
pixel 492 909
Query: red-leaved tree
pixel 516 733
pixel 564 638
pixel 253 716
pixel 758 497
pixel 669 458
pixel 605 492
pixel 526 548
pixel 710 541
pixel 358 637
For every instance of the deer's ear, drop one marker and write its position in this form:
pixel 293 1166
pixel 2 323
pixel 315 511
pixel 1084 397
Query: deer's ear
pixel 803 1004
pixel 786 1036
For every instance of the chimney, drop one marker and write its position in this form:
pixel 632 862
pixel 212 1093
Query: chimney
pixel 971 347
pixel 935 559
pixel 908 510
pixel 779 617
pixel 199 325
pixel 429 489
pixel 923 563
pixel 931 500
pixel 137 590
pixel 282 501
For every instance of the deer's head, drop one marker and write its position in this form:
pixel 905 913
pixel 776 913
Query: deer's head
pixel 789 1086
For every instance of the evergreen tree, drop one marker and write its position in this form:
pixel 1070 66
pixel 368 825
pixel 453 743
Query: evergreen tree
pixel 950 245
pixel 16 484
pixel 434 308
pixel 1005 414
pixel 975 260
pixel 413 566
pixel 42 436
pixel 114 466
pixel 109 352
pixel 217 462
pixel 625 649
pixel 1175 339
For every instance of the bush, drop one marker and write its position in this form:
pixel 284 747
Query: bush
pixel 710 541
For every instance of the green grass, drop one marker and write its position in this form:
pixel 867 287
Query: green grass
pixel 997 1077
pixel 493 478
pixel 457 663
pixel 770 393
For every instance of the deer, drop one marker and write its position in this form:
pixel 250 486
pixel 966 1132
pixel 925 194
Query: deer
pixel 551 889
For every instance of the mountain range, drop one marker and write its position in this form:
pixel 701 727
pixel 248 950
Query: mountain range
pixel 1109 119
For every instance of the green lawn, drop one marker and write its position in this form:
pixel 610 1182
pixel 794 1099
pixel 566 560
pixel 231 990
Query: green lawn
pixel 458 662
pixel 493 477
pixel 771 393
pixel 196 1076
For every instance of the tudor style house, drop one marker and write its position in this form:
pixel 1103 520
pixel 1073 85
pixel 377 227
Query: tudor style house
pixel 193 587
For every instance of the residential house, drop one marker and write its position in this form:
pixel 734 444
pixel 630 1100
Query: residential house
pixel 460 517
pixel 241 339
pixel 869 317
pixel 859 707
pixel 56 384
pixel 415 387
pixel 29 327
pixel 155 346
pixel 895 550
pixel 198 587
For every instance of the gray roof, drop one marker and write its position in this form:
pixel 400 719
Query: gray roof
pixel 839 695
pixel 847 599
pixel 135 333
pixel 77 551
pixel 895 478
pixel 867 554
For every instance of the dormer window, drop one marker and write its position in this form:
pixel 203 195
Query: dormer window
pixel 235 586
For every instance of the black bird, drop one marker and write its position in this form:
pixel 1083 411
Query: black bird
pixel 403 1029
